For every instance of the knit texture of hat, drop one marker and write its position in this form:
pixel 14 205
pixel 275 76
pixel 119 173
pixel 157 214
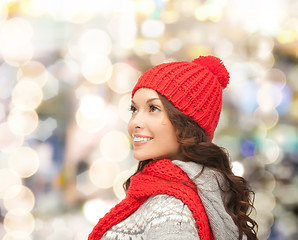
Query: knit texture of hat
pixel 195 88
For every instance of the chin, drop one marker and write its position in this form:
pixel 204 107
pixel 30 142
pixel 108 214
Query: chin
pixel 140 158
pixel 144 157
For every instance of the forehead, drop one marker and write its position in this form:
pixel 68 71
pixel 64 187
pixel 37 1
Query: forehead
pixel 144 94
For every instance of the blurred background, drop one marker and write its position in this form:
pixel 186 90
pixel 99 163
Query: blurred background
pixel 66 71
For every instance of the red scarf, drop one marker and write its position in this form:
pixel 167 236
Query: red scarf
pixel 157 177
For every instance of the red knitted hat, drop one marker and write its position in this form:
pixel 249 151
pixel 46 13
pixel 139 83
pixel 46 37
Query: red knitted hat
pixel 195 88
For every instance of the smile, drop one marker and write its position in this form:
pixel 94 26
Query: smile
pixel 141 139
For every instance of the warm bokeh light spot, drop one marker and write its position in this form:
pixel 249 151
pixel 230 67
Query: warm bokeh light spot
pixel 118 183
pixel 8 180
pixel 22 122
pixel 8 139
pixel 95 42
pixel 27 95
pixel 24 161
pixel 19 55
pixel 19 221
pixel 97 69
pixel 269 96
pixel 16 34
pixel 16 235
pixel 123 107
pixel 152 28
pixel 33 7
pixel 270 150
pixel 19 198
pixel 92 106
pixel 102 173
pixel 123 78
pixel 95 209
pixel 237 168
pixel 115 146
pixel 91 115
pixel 33 71
pixel 269 117
pixel 287 36
pixel 90 125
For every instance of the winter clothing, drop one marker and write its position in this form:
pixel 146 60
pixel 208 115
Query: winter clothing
pixel 158 177
pixel 195 88
pixel 173 211
pixel 210 185
pixel 161 217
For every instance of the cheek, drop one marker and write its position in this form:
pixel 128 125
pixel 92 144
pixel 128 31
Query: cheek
pixel 129 127
pixel 169 132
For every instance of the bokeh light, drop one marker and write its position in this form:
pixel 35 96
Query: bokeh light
pixel 11 179
pixel 112 140
pixel 269 96
pixel 33 71
pixel 33 7
pixel 237 168
pixel 123 107
pixel 287 36
pixel 24 161
pixel 2 112
pixel 18 56
pixel 118 183
pixel 209 11
pixel 123 78
pixel 19 198
pixel 152 28
pixel 95 42
pixel 8 139
pixel 19 222
pixel 92 106
pixel 76 11
pixel 3 11
pixel 16 235
pixel 103 173
pixel 270 150
pixel 97 69
pixel 26 95
pixel 95 209
pixel 145 7
pixel 91 116
pixel 66 77
pixel 16 34
pixel 22 122
pixel 268 116
pixel 248 148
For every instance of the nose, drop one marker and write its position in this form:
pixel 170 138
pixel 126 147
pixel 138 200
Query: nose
pixel 137 120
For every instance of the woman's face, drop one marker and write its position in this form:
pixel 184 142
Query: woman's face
pixel 150 128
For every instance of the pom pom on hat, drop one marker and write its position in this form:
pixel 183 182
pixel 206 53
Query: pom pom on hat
pixel 195 88
pixel 216 66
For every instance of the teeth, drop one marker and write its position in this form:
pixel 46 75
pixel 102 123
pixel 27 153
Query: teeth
pixel 140 139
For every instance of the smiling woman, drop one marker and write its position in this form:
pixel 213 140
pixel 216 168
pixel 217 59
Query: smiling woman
pixel 184 187
pixel 152 132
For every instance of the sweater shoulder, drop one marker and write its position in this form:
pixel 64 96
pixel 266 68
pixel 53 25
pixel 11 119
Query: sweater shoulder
pixel 161 215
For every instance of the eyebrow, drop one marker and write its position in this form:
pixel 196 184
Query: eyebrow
pixel 148 101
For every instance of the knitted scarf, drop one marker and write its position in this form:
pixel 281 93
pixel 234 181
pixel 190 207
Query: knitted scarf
pixel 157 177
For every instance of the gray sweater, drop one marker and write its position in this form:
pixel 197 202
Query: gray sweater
pixel 164 217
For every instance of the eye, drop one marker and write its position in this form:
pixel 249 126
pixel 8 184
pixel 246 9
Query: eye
pixel 153 108
pixel 133 109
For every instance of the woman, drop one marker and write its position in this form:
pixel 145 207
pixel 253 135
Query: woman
pixel 184 187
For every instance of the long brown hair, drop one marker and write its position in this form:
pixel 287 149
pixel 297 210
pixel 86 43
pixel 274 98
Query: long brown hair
pixel 197 147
